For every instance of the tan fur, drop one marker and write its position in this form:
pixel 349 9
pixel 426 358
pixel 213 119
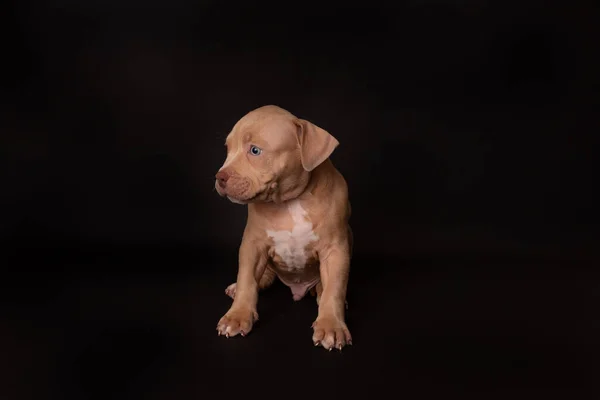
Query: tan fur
pixel 293 172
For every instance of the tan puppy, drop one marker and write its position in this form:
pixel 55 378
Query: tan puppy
pixel 297 227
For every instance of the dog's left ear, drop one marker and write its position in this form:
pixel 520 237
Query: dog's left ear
pixel 316 144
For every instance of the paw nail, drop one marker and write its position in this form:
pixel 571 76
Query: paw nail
pixel 227 335
pixel 330 348
pixel 317 343
pixel 243 333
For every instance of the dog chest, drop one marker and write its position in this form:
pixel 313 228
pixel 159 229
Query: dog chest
pixel 290 248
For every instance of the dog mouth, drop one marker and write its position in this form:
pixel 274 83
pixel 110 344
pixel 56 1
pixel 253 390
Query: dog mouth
pixel 236 201
pixel 237 196
pixel 244 200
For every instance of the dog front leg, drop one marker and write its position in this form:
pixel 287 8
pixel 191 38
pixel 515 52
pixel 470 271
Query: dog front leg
pixel 329 329
pixel 241 316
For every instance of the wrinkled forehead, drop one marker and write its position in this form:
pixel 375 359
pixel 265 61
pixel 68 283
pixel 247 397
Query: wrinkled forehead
pixel 270 132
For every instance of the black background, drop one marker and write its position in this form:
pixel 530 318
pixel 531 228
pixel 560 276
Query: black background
pixel 468 138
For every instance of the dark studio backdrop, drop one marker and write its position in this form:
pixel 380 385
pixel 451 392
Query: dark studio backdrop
pixel 468 141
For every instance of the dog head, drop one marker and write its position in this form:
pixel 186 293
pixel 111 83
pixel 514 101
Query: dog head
pixel 270 155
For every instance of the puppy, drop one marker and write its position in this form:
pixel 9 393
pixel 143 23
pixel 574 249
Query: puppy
pixel 297 228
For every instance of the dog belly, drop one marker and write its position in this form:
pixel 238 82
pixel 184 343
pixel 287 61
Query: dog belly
pixel 300 289
pixel 299 280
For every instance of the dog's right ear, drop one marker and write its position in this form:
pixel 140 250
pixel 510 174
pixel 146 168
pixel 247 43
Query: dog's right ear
pixel 316 144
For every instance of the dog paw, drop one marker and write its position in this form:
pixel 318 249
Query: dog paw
pixel 331 332
pixel 237 321
pixel 230 290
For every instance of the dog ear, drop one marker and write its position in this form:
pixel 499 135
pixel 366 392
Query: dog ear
pixel 316 144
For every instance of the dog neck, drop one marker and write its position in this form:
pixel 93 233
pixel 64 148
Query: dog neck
pixel 317 179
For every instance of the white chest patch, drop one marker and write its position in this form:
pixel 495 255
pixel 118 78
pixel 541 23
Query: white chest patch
pixel 291 246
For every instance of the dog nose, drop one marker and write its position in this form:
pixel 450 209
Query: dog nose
pixel 222 178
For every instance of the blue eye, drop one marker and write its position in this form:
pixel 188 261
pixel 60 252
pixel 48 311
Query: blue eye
pixel 255 151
